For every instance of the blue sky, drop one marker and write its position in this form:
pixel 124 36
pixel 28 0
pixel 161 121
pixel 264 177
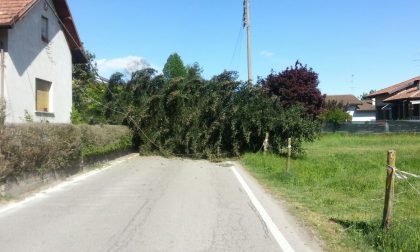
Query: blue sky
pixel 355 46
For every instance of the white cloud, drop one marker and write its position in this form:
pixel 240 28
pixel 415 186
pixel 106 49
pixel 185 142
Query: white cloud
pixel 267 54
pixel 125 65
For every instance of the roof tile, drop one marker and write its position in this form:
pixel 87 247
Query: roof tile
pixel 366 106
pixel 394 88
pixel 344 99
pixel 12 10
pixel 408 94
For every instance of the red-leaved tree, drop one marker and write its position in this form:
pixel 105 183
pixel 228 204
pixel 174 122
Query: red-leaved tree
pixel 296 85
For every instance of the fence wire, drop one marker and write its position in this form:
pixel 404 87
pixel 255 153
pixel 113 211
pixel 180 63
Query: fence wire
pixel 404 176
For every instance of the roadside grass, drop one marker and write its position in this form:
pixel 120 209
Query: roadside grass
pixel 338 188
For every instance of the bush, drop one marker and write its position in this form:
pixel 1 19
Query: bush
pixel 50 147
pixel 336 117
pixel 297 85
pixel 38 147
pixel 99 140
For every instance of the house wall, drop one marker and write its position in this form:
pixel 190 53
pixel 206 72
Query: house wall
pixel 364 116
pixel 28 57
pixel 379 103
pixel 351 109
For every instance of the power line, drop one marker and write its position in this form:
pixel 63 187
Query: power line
pixel 64 26
pixel 126 115
pixel 237 45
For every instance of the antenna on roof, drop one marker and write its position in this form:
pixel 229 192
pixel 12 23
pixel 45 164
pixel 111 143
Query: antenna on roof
pixel 352 87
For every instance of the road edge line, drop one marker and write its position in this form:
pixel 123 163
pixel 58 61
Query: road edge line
pixel 274 230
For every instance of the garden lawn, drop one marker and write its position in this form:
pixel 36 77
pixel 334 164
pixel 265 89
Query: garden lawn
pixel 338 188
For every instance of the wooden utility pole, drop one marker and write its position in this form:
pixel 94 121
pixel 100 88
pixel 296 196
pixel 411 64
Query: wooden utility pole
pixel 265 144
pixel 247 23
pixel 389 190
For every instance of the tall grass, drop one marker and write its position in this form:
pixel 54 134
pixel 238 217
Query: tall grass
pixel 339 187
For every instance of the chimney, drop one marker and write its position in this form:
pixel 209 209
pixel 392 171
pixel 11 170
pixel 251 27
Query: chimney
pixel 373 101
pixel 417 84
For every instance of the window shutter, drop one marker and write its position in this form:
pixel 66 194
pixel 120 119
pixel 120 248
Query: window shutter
pixel 42 96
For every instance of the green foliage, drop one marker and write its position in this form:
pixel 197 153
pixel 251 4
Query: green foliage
pixel 214 118
pixel 174 67
pixel 75 116
pixel 88 102
pixel 28 117
pixel 338 186
pixel 335 116
pixel 90 96
pixel 365 94
pixel 194 71
pixel 99 140
pixel 86 72
pixel 181 113
pixel 115 99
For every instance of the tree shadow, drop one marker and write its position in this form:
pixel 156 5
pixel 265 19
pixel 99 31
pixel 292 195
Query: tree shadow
pixel 361 226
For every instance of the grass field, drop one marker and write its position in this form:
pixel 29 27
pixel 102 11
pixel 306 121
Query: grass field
pixel 338 188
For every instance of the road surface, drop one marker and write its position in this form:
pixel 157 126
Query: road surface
pixel 154 204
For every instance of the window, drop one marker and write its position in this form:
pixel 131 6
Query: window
pixel 43 96
pixel 44 29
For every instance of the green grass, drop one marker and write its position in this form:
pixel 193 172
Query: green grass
pixel 338 188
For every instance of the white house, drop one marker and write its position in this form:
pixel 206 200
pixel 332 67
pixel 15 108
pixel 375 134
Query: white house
pixel 365 112
pixel 361 111
pixel 40 44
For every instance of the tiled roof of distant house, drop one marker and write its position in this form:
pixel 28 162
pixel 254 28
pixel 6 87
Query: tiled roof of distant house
pixel 11 11
pixel 366 106
pixel 408 94
pixel 344 99
pixel 394 88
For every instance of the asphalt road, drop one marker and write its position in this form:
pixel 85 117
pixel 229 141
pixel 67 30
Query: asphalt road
pixel 154 204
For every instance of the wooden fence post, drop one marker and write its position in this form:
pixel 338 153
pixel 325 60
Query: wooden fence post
pixel 389 190
pixel 289 153
pixel 265 144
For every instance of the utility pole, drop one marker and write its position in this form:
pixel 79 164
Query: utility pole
pixel 247 24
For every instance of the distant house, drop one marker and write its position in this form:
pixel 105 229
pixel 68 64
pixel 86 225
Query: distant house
pixel 398 102
pixel 365 112
pixel 360 111
pixel 40 44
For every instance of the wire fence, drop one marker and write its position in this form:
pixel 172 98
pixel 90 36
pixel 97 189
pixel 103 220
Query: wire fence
pixel 404 176
pixel 374 127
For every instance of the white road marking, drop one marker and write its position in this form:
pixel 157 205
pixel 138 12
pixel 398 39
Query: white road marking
pixel 74 180
pixel 283 243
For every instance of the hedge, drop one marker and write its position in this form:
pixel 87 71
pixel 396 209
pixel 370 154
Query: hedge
pixel 53 147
